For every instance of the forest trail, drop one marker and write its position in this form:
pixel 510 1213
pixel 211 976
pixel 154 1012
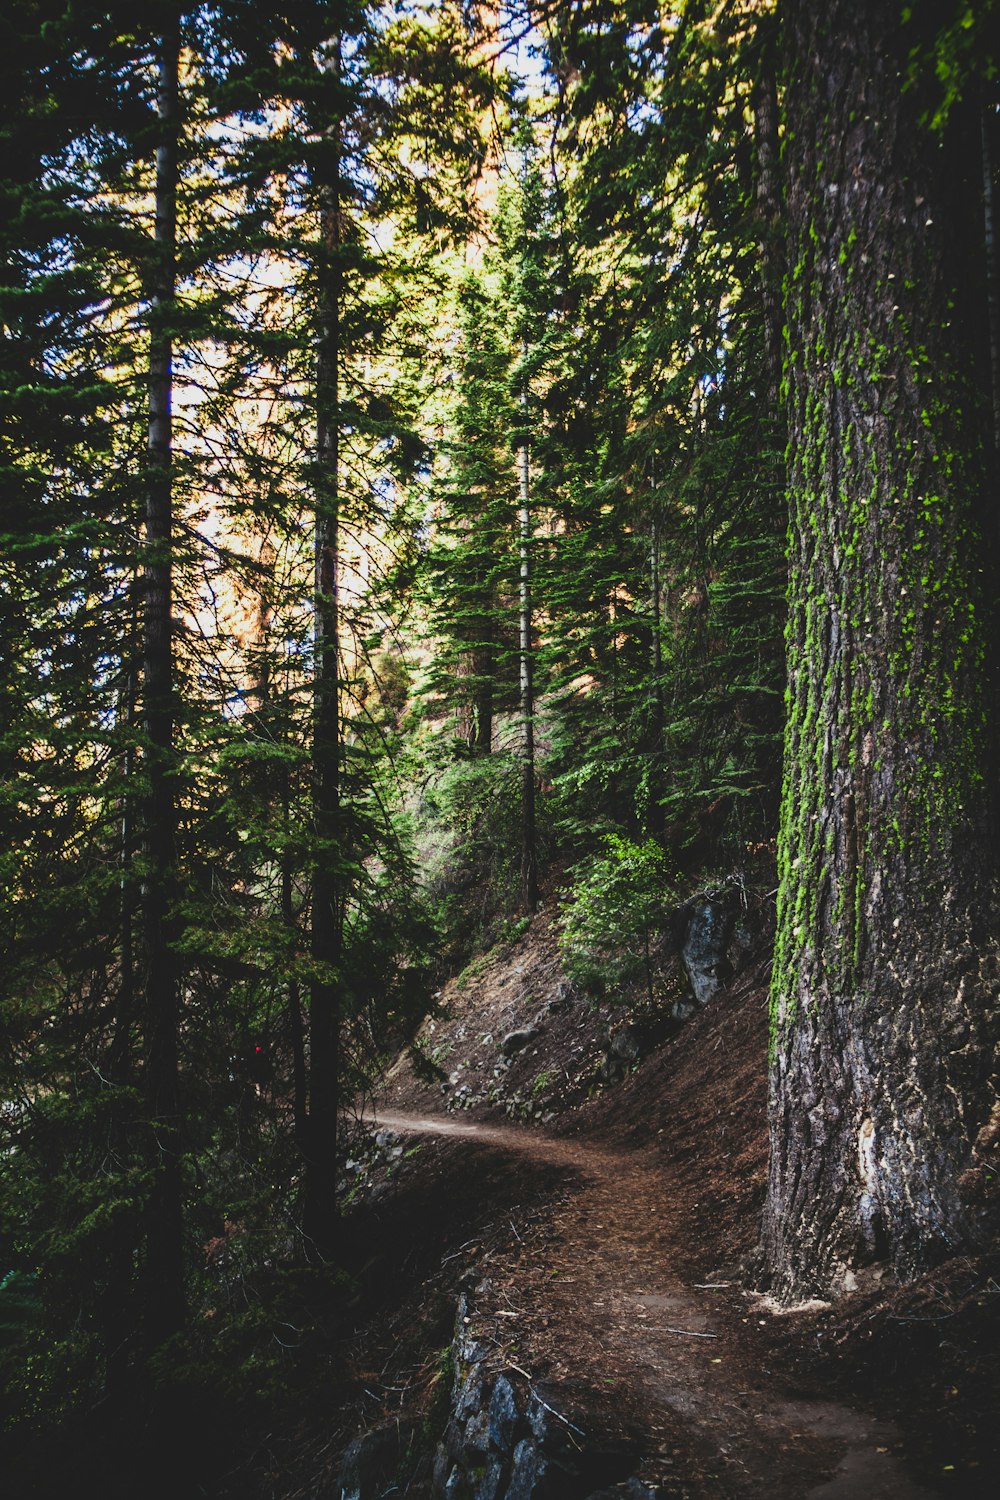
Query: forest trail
pixel 592 1293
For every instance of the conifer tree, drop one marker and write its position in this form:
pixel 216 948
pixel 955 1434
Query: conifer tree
pixel 883 996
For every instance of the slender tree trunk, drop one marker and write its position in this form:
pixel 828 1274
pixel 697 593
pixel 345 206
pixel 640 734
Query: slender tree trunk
pixel 885 971
pixel 320 1205
pixel 119 1302
pixel 484 666
pixel 529 850
pixel 120 1060
pixel 300 1086
pixel 164 1250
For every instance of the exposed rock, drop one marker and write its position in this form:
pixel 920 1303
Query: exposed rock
pixel 705 949
pixel 505 1442
pixel 504 1415
pixel 683 1010
pixel 515 1040
pixel 625 1042
pixel 528 1472
pixel 562 999
pixel 378 1463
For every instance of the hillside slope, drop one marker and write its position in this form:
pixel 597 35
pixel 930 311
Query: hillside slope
pixel 681 1131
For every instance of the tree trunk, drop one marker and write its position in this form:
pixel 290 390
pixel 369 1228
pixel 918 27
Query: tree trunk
pixel 484 667
pixel 529 850
pixel 300 1083
pixel 988 129
pixel 883 996
pixel 320 1201
pixel 769 206
pixel 164 1252
pixel 655 818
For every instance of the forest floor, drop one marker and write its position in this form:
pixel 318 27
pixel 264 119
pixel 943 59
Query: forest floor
pixel 608 1255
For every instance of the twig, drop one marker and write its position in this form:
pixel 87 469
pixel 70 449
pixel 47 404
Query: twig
pixel 687 1333
pixel 446 1258
pixel 545 1405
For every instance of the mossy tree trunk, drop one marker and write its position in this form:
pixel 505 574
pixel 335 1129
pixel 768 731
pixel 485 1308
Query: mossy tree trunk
pixel 885 975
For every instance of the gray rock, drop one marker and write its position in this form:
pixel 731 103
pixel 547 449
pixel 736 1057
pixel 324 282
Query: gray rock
pixel 538 1418
pixel 469 1396
pixel 683 1010
pixel 704 951
pixel 487 1486
pixel 455 1488
pixel 476 1438
pixel 527 1473
pixel 504 1415
pixel 625 1043
pixel 442 1470
pixel 515 1040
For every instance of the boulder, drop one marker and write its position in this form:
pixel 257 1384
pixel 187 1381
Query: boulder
pixel 515 1040
pixel 705 949
pixel 625 1043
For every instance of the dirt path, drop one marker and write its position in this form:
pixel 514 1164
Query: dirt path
pixel 592 1298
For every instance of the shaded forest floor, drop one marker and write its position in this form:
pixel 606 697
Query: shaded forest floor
pixel 599 1217
pixel 603 1275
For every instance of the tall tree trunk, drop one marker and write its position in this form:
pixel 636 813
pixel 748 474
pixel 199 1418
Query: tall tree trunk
pixel 769 205
pixel 885 971
pixel 164 1251
pixel 118 1313
pixel 320 1203
pixel 300 1082
pixel 988 128
pixel 484 667
pixel 529 849
pixel 120 1060
pixel 656 787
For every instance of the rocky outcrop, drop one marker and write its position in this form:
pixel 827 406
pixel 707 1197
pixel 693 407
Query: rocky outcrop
pixel 716 934
pixel 506 1439
pixel 705 949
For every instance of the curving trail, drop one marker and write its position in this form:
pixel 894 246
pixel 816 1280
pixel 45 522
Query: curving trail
pixel 597 1294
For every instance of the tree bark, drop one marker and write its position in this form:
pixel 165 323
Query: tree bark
pixel 164 1272
pixel 655 817
pixel 769 204
pixel 988 130
pixel 529 847
pixel 320 1198
pixel 484 668
pixel 883 995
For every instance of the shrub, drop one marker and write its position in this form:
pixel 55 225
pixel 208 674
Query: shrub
pixel 618 901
